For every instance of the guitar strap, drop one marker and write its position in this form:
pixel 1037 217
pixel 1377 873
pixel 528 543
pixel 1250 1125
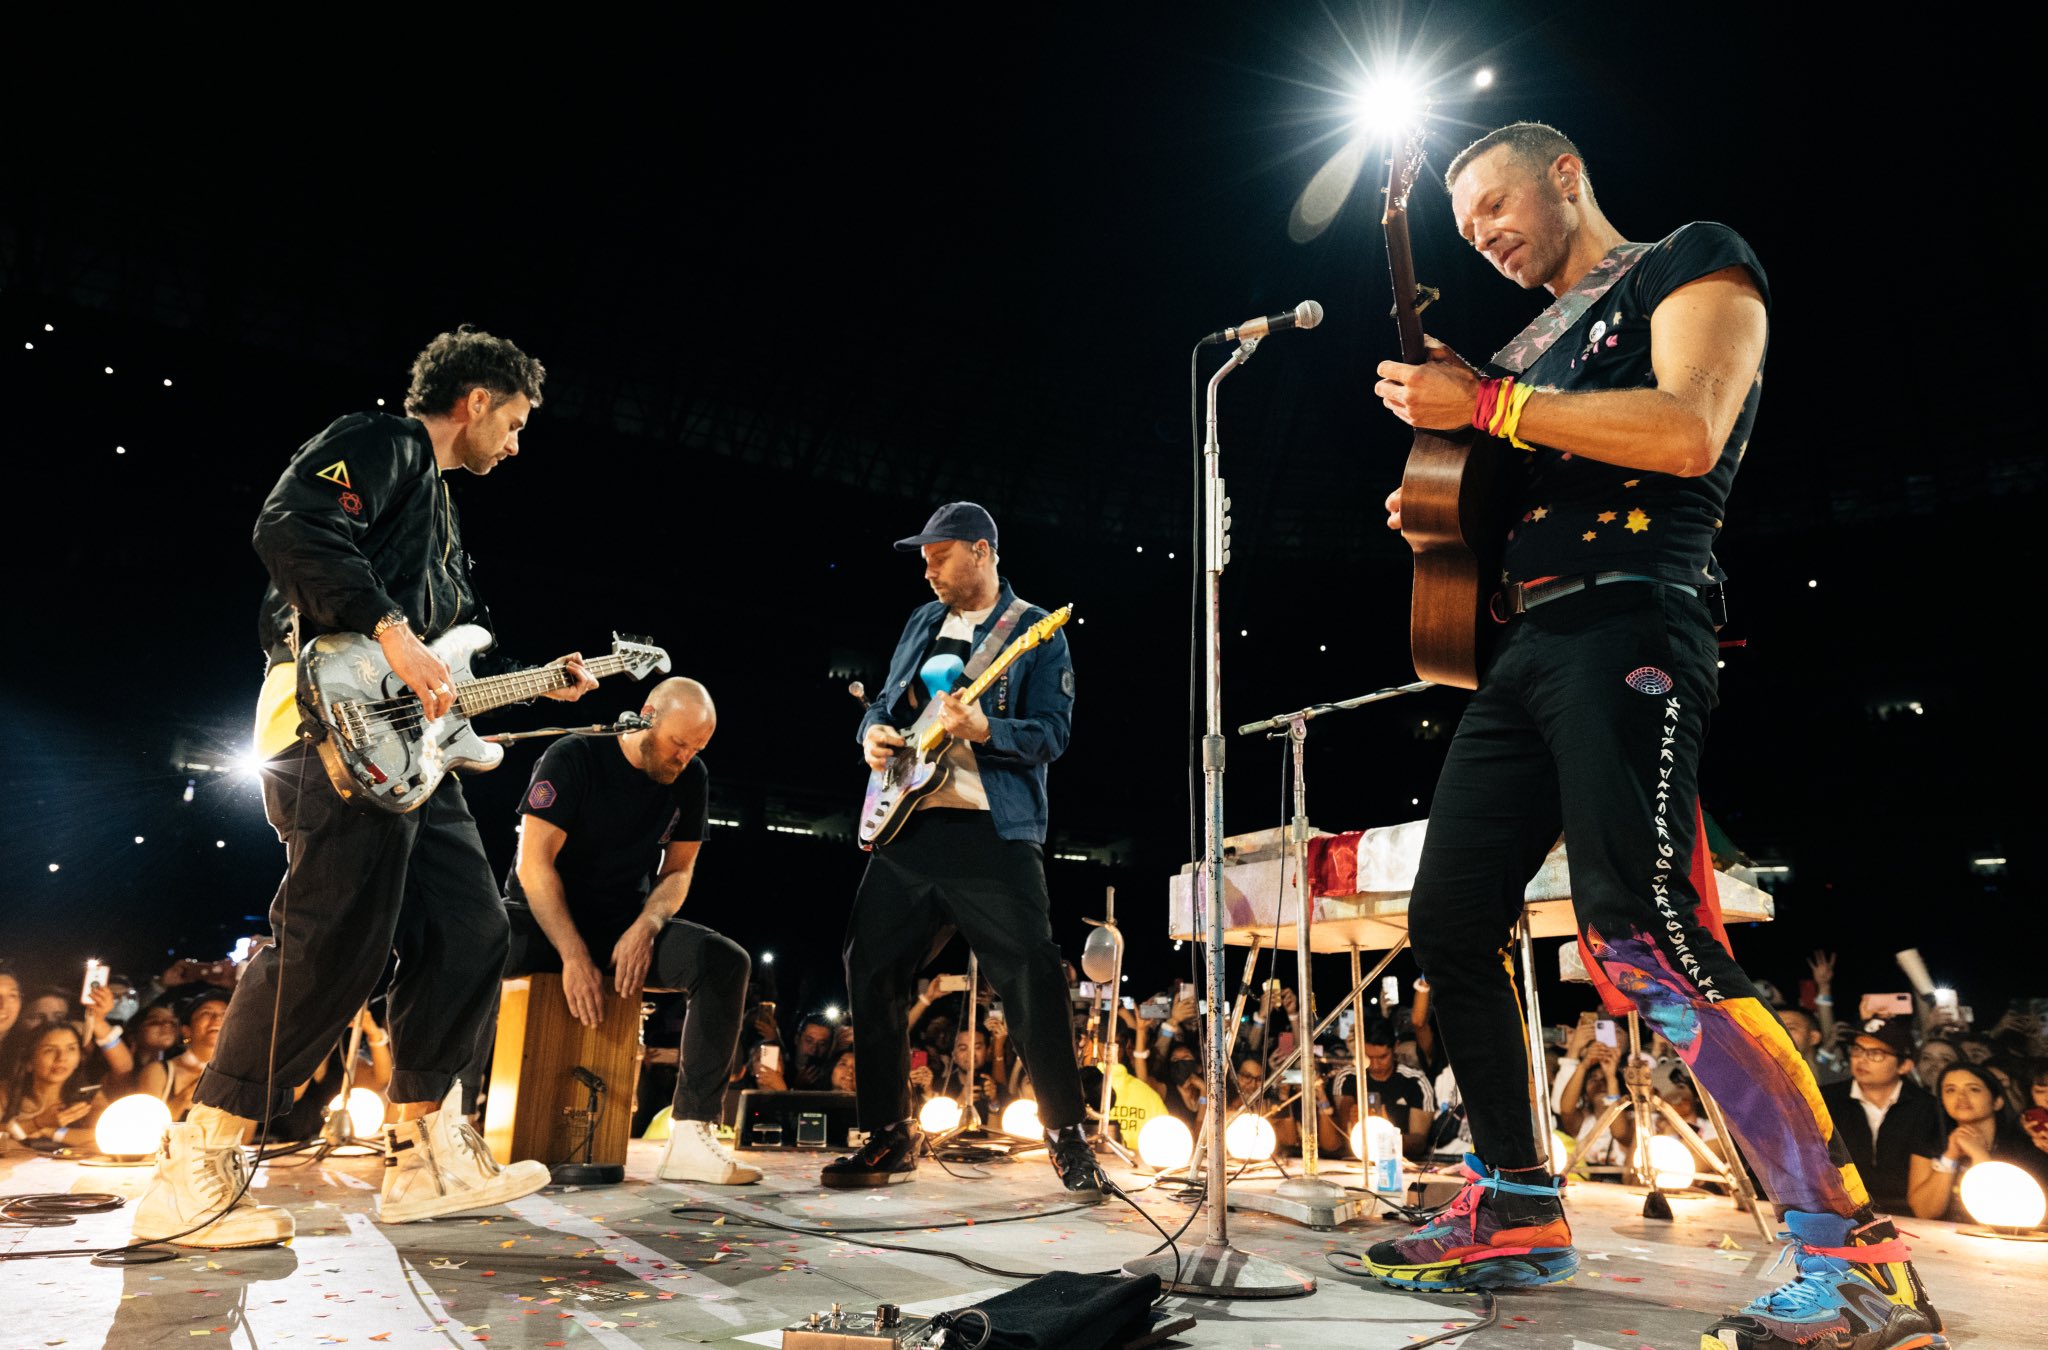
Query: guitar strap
pixel 1528 346
pixel 992 646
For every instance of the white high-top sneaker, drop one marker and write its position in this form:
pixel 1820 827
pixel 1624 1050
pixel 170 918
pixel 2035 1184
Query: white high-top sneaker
pixel 199 1172
pixel 695 1154
pixel 438 1164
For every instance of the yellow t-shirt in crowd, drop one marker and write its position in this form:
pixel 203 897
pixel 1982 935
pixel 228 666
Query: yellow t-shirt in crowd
pixel 1132 1103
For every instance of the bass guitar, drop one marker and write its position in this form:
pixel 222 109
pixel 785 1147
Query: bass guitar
pixel 1455 492
pixel 379 747
pixel 920 767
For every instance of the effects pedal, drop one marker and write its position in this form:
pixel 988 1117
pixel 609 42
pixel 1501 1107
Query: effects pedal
pixel 886 1328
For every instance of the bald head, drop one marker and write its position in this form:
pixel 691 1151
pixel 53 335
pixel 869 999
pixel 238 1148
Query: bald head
pixel 679 694
pixel 684 719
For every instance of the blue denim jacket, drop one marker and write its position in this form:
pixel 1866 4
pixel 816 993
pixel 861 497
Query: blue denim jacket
pixel 1029 711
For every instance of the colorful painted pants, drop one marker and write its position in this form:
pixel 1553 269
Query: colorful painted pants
pixel 1589 721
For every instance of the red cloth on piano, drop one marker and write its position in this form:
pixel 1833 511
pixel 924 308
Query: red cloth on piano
pixel 1333 863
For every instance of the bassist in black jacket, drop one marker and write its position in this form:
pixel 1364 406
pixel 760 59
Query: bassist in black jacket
pixel 360 535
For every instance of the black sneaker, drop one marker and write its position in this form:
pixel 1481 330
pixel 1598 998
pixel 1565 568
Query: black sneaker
pixel 1074 1161
pixel 888 1157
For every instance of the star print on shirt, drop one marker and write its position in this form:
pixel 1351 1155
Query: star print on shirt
pixel 1633 482
pixel 1605 517
pixel 1539 513
pixel 1638 522
pixel 1590 535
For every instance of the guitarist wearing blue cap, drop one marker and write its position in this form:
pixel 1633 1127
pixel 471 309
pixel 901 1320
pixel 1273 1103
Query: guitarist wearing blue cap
pixel 955 820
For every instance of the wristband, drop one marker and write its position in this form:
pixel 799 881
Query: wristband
pixel 1824 1000
pixel 1944 1163
pixel 395 619
pixel 1166 1030
pixel 57 1135
pixel 14 1128
pixel 112 1037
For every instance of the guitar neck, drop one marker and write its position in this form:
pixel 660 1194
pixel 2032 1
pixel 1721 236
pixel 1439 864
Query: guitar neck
pixel 934 733
pixel 1401 264
pixel 496 691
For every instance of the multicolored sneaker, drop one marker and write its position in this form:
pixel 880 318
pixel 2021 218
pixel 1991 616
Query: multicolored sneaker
pixel 1496 1234
pixel 1855 1290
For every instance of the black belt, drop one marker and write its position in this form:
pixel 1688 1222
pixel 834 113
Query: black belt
pixel 1518 597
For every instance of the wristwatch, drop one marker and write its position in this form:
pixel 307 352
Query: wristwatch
pixel 392 620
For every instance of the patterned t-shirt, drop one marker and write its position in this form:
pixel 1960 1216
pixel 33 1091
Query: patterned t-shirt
pixel 1580 515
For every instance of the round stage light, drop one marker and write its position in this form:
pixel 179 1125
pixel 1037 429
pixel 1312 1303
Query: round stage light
pixel 1165 1144
pixel 1020 1118
pixel 1671 1162
pixel 2000 1195
pixel 1250 1138
pixel 1358 1139
pixel 132 1127
pixel 939 1115
pixel 365 1112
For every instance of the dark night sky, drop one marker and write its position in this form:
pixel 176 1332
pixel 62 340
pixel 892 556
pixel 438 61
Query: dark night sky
pixel 795 285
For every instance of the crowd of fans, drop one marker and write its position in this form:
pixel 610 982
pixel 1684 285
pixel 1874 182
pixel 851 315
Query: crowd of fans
pixel 1918 1096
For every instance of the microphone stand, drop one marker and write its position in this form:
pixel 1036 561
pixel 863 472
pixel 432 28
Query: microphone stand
pixel 627 722
pixel 1216 1269
pixel 1312 1199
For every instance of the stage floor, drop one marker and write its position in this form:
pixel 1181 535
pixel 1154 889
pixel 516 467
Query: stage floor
pixel 618 1267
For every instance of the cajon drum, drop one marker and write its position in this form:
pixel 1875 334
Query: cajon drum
pixel 538 1108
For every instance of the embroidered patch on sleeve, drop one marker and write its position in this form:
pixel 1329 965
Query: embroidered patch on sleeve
pixel 542 796
pixel 351 503
pixel 1067 682
pixel 1650 680
pixel 336 472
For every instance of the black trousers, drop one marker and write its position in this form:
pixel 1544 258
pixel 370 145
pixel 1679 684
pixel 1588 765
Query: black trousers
pixel 1590 720
pixel 949 870
pixel 711 971
pixel 358 884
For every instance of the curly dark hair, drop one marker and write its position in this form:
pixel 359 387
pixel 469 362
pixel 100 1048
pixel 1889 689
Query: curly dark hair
pixel 469 358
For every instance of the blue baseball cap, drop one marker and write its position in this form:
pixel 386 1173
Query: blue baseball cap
pixel 964 521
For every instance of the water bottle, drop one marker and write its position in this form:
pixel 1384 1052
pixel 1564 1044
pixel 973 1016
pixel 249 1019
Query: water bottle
pixel 1382 1151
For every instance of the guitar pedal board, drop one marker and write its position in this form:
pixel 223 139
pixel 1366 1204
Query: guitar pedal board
pixel 887 1327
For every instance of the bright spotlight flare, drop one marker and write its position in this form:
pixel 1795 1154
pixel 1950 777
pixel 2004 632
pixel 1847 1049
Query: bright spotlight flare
pixel 1307 314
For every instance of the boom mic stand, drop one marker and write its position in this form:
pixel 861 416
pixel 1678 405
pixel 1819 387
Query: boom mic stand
pixel 1216 1269
pixel 1313 1199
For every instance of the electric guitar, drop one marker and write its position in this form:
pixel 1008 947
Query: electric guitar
pixel 1455 491
pixel 919 768
pixel 380 748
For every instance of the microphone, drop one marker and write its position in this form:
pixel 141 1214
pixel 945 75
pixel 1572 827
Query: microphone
pixel 588 1079
pixel 629 721
pixel 1307 314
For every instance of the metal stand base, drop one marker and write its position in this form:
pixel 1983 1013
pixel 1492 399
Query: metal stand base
pixel 587 1174
pixel 1219 1270
pixel 1312 1201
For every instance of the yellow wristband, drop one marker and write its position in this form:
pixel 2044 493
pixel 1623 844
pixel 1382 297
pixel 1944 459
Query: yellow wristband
pixel 1512 422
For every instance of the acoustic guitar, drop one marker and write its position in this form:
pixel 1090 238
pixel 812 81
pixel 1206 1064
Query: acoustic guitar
pixel 1455 492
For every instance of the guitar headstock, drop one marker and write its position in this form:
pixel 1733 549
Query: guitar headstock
pixel 1047 626
pixel 638 655
pixel 1406 166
